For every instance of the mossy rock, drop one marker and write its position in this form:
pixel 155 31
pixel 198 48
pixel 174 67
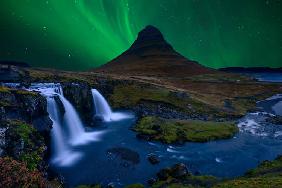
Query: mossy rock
pixel 24 143
pixel 179 176
pixel 173 131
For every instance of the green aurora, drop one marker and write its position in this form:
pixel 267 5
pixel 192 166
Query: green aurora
pixel 82 34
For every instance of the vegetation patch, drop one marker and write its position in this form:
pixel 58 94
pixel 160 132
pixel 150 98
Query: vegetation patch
pixel 132 95
pixel 267 174
pixel 178 176
pixel 16 174
pixel 173 131
pixel 4 89
pixel 33 144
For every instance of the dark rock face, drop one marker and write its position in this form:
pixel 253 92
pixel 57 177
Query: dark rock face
pixel 79 94
pixel 60 105
pixel 160 109
pixel 24 127
pixel 26 106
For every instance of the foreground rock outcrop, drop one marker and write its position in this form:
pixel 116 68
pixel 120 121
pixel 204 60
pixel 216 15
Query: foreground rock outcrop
pixel 26 106
pixel 24 136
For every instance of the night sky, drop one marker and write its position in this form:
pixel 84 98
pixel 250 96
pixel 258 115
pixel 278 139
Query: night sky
pixel 79 34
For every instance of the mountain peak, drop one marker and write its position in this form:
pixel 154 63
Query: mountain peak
pixel 152 55
pixel 149 38
pixel 150 33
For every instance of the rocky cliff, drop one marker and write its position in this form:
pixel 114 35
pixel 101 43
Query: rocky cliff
pixel 24 127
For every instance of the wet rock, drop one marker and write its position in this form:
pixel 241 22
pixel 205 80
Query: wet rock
pixel 153 159
pixel 60 105
pixel 151 181
pixel 125 154
pixel 42 124
pixel 79 94
pixel 179 170
pixel 30 107
pixel 276 120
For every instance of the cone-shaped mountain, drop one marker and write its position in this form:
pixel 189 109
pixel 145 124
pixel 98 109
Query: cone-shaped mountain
pixel 151 55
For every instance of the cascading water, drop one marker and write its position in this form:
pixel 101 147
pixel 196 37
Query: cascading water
pixel 103 110
pixel 62 153
pixel 56 132
pixel 71 119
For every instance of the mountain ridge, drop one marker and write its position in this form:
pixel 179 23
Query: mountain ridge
pixel 151 55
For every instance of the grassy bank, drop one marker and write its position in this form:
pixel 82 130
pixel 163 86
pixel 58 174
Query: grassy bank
pixel 172 131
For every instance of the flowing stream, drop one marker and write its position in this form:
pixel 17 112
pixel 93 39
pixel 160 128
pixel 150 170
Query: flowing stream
pixel 110 152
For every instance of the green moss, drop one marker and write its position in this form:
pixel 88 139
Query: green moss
pixel 128 96
pixel 23 130
pixel 4 89
pixel 170 131
pixel 262 182
pixel 188 181
pixel 33 143
pixel 136 185
pixel 25 92
pixel 267 168
pixel 32 159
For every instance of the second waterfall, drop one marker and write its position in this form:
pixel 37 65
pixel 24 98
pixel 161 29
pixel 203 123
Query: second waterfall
pixel 103 110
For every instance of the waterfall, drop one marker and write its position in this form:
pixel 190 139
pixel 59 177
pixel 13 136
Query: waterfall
pixel 56 132
pixel 71 119
pixel 62 155
pixel 103 110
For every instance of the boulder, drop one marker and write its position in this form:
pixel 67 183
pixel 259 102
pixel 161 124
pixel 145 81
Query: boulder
pixel 153 159
pixel 179 170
